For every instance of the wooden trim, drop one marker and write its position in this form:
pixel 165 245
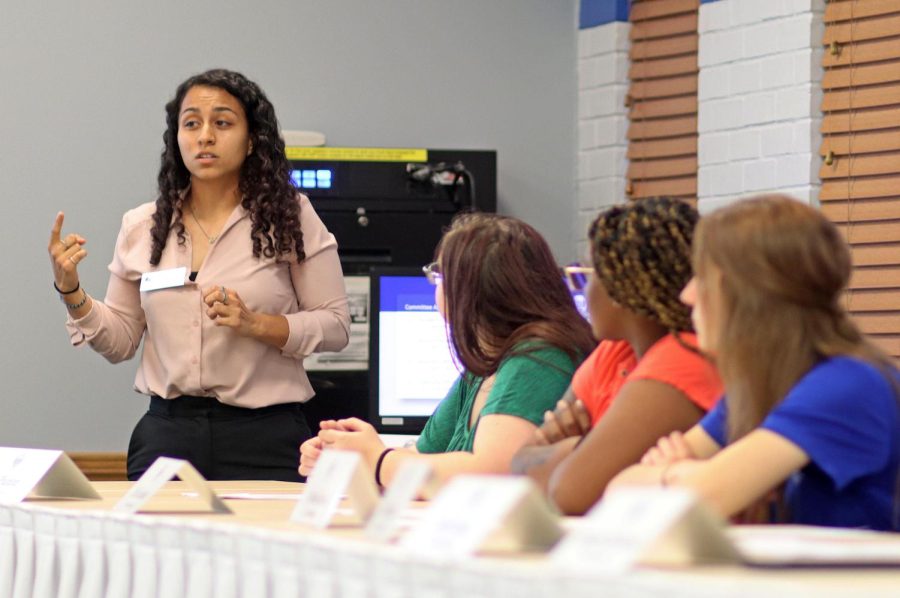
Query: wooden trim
pixel 103 467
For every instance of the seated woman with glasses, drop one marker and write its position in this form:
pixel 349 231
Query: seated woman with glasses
pixel 809 430
pixel 645 378
pixel 516 333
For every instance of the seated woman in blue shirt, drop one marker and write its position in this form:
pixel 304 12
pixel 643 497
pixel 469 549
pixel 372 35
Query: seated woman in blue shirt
pixel 810 409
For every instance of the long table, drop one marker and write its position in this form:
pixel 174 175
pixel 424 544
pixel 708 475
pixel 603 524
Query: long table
pixel 82 549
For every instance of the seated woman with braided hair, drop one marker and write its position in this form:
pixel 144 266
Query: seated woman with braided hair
pixel 645 379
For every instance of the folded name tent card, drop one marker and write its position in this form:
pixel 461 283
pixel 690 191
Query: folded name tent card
pixel 162 471
pixel 337 474
pixel 485 514
pixel 645 526
pixel 39 473
pixel 386 521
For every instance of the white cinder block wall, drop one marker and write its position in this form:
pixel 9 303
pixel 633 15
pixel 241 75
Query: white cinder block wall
pixel 602 123
pixel 759 97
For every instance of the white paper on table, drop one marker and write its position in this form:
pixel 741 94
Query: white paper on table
pixel 250 496
pixel 779 545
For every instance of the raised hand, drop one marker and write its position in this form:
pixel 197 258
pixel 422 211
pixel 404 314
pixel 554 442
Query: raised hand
pixel 66 252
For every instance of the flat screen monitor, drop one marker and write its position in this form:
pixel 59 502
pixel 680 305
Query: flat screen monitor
pixel 411 367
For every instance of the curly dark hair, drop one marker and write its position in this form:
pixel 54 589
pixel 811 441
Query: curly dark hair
pixel 265 183
pixel 642 256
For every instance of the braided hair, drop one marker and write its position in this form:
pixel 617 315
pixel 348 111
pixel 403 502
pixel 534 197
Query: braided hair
pixel 642 256
pixel 265 183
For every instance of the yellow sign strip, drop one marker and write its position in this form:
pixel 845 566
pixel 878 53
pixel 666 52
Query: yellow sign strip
pixel 357 154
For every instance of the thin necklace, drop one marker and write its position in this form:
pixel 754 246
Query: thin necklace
pixel 211 239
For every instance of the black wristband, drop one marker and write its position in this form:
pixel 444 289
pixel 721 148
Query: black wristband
pixel 62 292
pixel 378 465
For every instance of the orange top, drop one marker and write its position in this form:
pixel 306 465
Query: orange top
pixel 613 364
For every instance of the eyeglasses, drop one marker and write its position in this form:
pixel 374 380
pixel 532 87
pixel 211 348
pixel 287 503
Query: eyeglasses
pixel 433 273
pixel 576 276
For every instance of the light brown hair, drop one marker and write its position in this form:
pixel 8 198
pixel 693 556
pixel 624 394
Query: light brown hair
pixel 783 270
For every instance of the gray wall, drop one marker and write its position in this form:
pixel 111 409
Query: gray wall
pixel 82 88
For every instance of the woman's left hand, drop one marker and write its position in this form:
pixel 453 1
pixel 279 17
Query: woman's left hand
pixel 669 449
pixel 226 308
pixel 353 435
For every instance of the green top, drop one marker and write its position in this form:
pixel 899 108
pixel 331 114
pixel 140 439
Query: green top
pixel 525 385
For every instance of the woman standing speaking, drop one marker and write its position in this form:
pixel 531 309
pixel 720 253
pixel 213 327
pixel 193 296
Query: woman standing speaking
pixel 229 277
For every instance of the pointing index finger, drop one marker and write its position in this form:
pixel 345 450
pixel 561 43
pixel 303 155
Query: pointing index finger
pixel 57 227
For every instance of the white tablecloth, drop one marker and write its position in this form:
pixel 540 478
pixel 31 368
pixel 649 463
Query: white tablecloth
pixel 50 552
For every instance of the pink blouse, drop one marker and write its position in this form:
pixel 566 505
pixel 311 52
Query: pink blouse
pixel 185 353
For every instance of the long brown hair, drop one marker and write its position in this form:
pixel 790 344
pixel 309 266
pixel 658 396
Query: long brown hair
pixel 502 287
pixel 783 268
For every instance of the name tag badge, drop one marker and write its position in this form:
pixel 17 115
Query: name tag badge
pixel 163 279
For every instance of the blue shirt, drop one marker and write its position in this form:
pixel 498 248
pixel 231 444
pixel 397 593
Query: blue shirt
pixel 844 415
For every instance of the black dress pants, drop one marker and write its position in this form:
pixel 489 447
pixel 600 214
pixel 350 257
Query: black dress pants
pixel 223 442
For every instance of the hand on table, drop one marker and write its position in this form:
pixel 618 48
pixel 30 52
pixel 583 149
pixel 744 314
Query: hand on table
pixel 345 434
pixel 669 449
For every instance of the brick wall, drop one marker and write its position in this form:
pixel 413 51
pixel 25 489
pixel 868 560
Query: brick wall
pixel 759 97
pixel 602 123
